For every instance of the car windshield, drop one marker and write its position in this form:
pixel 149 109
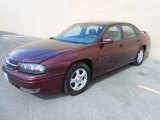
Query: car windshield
pixel 81 33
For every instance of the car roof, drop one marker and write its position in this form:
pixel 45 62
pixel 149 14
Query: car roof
pixel 107 23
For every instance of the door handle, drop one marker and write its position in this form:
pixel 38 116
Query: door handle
pixel 120 45
pixel 138 40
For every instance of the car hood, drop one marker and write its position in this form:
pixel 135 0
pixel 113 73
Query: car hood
pixel 41 50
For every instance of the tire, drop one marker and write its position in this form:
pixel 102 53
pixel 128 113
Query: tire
pixel 139 57
pixel 76 79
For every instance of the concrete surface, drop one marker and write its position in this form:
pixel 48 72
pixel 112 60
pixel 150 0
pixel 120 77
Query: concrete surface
pixel 129 93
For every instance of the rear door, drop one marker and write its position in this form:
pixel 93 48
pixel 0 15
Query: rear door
pixel 132 41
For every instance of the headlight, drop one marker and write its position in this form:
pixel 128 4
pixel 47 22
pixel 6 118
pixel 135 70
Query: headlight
pixel 32 68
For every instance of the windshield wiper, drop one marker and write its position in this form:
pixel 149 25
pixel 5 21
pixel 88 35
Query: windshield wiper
pixel 70 41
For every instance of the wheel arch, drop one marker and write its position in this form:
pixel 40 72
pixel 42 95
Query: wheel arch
pixel 88 62
pixel 144 46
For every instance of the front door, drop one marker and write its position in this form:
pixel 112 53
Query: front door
pixel 113 54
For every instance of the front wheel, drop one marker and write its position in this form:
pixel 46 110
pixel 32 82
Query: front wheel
pixel 139 57
pixel 76 79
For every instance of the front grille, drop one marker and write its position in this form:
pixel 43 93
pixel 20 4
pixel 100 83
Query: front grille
pixel 11 64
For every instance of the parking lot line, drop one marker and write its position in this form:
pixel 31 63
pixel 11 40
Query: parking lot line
pixel 15 36
pixel 149 89
pixel 9 38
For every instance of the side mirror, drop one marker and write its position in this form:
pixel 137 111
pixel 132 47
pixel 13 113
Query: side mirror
pixel 107 41
pixel 51 38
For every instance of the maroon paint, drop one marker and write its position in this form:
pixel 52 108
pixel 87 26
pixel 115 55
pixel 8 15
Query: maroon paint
pixel 59 56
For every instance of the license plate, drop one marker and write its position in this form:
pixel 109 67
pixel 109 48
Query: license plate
pixel 5 76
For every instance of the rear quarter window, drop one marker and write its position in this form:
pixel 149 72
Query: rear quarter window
pixel 137 30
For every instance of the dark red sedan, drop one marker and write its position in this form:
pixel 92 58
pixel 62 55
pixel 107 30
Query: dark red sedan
pixel 77 55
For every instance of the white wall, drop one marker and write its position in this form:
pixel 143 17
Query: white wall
pixel 44 18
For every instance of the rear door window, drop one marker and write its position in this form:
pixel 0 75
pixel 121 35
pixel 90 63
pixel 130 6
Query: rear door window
pixel 128 31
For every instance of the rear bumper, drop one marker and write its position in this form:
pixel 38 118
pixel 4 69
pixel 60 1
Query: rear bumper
pixel 33 84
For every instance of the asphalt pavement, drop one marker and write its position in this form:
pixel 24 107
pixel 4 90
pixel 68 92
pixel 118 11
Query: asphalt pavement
pixel 128 93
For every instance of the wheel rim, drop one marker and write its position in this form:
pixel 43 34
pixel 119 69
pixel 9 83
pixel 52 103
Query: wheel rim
pixel 140 56
pixel 78 79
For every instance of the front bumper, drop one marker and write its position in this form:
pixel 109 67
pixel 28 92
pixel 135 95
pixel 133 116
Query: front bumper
pixel 34 83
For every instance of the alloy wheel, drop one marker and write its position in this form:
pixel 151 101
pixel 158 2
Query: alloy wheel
pixel 78 79
pixel 140 56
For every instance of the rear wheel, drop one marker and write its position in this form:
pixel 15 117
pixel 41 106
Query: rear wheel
pixel 139 57
pixel 77 78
